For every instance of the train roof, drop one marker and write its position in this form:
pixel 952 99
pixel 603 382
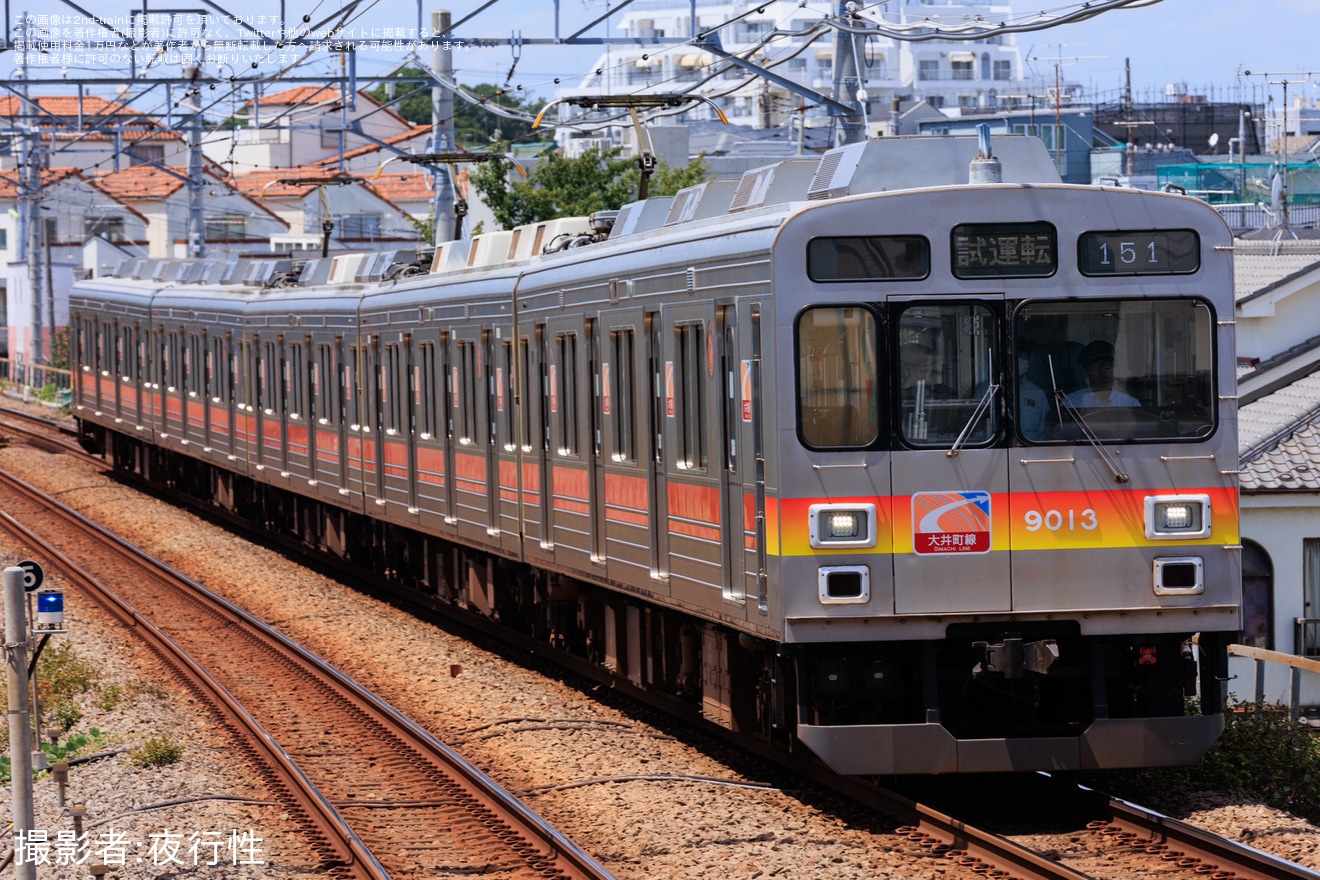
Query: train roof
pixel 873 166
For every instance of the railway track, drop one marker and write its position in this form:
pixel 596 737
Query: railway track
pixel 377 796
pixel 1138 836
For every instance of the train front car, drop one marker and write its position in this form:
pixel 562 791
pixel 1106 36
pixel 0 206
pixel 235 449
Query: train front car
pixel 1008 487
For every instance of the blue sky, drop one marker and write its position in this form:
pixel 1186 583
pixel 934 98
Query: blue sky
pixel 1203 43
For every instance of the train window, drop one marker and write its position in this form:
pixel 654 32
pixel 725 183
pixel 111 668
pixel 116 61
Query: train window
pixel 390 398
pixel 868 258
pixel 465 392
pixel 104 347
pixel 1139 369
pixel 620 387
pixel 126 362
pixel 504 396
pixel 348 388
pixel 425 389
pixel 564 397
pixel 837 377
pixel 690 382
pixel 947 362
pixel 523 393
pixel 297 370
pixel 171 362
pixel 194 372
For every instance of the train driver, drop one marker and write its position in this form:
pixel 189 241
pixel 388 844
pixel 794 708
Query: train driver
pixel 1033 406
pixel 1097 360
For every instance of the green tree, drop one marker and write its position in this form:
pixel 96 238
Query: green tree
pixel 474 125
pixel 562 187
pixel 667 181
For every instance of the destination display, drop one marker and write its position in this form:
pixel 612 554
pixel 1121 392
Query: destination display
pixel 1004 250
pixel 1139 252
pixel 868 258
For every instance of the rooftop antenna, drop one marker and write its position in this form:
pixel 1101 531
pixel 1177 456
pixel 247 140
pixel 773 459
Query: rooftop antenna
pixel 1059 61
pixel 1282 179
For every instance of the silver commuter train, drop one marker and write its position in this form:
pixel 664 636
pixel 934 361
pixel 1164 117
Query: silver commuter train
pixel 924 474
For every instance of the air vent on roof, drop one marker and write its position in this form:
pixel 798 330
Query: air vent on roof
pixel 188 272
pixel 131 268
pixel 704 200
pixel 259 272
pixel 640 216
pixel 156 270
pixel 213 272
pixel 821 184
pixel 315 271
pixel 233 272
pixel 785 181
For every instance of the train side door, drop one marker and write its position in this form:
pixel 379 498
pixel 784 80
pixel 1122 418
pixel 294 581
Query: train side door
pixel 450 429
pixel 595 441
pixel 544 442
pixel 949 469
pixel 729 394
pixel 657 484
pixel 494 404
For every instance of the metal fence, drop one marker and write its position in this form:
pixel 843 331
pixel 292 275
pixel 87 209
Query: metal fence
pixel 36 382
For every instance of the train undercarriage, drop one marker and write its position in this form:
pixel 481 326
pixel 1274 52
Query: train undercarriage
pixel 1023 697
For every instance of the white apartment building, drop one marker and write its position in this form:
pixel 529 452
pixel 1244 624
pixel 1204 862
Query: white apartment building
pixel 790 39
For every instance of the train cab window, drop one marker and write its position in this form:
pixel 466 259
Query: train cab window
pixel 947 362
pixel 837 373
pixel 1135 370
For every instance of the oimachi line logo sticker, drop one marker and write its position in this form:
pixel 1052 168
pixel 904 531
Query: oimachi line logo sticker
pixel 951 522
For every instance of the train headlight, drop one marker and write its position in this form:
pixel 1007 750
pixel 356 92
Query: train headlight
pixel 1177 516
pixel 842 525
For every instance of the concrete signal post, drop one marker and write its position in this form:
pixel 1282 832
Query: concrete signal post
pixel 20 719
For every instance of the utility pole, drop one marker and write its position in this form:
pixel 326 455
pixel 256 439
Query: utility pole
pixel 847 83
pixel 1059 134
pixel 196 213
pixel 29 202
pixel 442 126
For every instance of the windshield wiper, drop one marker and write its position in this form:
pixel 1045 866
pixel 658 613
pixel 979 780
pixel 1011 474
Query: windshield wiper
pixel 1062 404
pixel 981 407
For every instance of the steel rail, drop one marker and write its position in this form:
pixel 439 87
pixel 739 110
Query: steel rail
pixel 567 855
pixel 342 852
pixel 1191 847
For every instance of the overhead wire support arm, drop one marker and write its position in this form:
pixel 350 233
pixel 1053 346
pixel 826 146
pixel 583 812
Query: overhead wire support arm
pixel 709 42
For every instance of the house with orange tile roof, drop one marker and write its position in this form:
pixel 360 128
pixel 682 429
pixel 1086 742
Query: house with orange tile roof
pixel 73 211
pixel 300 126
pixel 361 213
pixel 234 221
pixel 369 158
pixel 89 133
